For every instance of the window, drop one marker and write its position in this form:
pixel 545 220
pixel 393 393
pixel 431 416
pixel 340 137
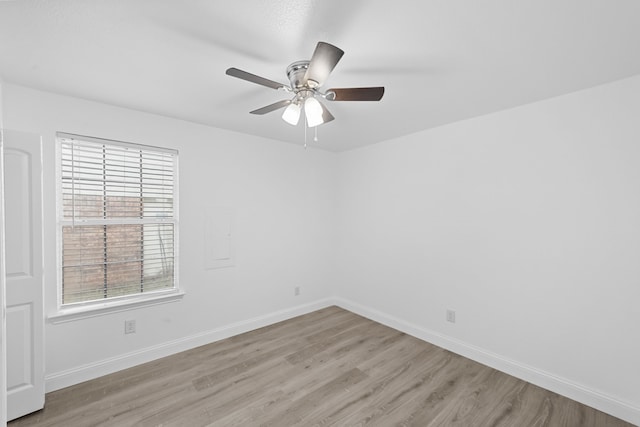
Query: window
pixel 117 220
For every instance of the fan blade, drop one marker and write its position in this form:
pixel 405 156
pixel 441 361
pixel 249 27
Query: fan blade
pixel 234 72
pixel 323 61
pixel 326 115
pixel 272 107
pixel 355 94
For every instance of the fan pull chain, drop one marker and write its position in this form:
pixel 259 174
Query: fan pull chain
pixel 315 135
pixel 305 132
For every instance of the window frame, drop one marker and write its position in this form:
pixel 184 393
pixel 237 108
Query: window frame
pixel 78 310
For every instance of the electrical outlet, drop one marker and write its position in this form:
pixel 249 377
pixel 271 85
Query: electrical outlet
pixel 451 316
pixel 129 326
pixel 296 291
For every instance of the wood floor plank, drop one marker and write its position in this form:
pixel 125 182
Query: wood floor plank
pixel 353 342
pixel 327 368
pixel 301 409
pixel 490 397
pixel 217 402
pixel 370 400
pixel 431 388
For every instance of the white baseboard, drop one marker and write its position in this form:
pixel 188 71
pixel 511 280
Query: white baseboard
pixel 58 380
pixel 608 404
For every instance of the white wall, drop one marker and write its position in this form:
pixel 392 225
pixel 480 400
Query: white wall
pixel 283 197
pixel 525 222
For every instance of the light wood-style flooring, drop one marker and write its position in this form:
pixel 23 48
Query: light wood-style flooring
pixel 326 368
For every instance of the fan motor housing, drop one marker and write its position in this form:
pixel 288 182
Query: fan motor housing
pixel 296 73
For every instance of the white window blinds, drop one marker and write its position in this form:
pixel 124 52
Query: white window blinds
pixel 117 217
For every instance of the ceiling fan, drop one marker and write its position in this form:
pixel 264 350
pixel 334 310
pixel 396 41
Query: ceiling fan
pixel 306 78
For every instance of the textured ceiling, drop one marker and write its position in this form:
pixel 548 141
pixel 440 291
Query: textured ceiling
pixel 440 61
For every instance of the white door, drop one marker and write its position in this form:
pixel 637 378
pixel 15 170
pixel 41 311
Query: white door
pixel 23 267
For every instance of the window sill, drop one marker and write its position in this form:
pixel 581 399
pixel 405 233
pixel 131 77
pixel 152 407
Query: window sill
pixel 94 310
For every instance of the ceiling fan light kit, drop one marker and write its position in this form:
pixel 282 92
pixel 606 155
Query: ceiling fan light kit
pixel 313 112
pixel 291 114
pixel 306 78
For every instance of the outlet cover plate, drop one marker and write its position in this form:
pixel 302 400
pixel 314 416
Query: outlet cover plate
pixel 129 326
pixel 451 316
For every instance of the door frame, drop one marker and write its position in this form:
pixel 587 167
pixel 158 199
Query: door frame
pixel 3 302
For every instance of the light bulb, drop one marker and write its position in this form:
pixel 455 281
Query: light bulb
pixel 313 111
pixel 291 114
